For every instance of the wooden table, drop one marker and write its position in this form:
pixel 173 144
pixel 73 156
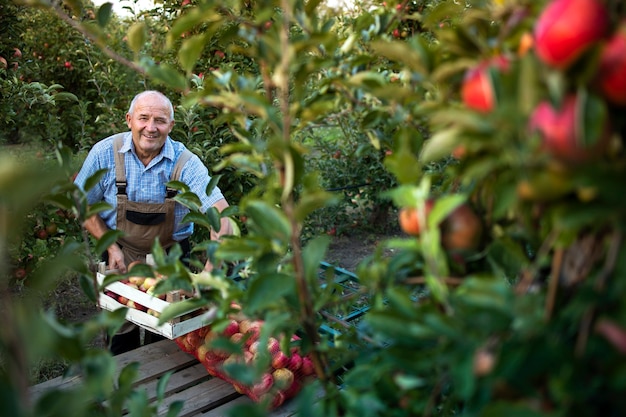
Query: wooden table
pixel 203 395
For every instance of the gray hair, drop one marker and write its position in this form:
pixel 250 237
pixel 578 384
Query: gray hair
pixel 131 109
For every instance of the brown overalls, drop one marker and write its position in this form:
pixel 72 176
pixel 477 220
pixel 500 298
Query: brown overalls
pixel 143 223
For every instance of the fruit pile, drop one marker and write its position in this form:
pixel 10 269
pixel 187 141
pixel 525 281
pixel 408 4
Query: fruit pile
pixel 284 376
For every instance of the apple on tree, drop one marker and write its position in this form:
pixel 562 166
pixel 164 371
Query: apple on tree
pixel 567 28
pixel 477 90
pixel 611 75
pixel 564 131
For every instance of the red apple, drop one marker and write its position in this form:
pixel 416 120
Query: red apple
pixel 295 362
pixel 3 62
pixel 562 133
pixel 20 273
pixel 612 69
pixel 273 345
pixel 307 367
pixel 477 91
pixel 262 386
pixel 141 307
pixel 110 294
pixel 462 230
pixel 566 28
pixel 280 360
pixel 293 389
pixel 231 328
pixel 17 53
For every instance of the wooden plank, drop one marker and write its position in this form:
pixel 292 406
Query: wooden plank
pixel 201 397
pixel 179 381
pixel 156 359
pixel 60 382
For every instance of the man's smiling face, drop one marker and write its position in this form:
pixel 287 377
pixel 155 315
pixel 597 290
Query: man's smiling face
pixel 150 123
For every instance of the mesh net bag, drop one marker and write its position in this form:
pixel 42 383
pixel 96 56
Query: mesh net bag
pixel 283 377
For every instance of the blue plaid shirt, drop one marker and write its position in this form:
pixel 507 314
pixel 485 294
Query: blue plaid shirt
pixel 145 184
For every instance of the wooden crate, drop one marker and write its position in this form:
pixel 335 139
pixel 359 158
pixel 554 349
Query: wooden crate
pixel 171 329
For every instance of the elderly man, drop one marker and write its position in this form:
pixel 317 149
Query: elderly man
pixel 140 163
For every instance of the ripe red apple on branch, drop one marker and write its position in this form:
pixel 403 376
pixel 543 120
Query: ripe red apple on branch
pixel 567 28
pixel 612 68
pixel 564 131
pixel 478 91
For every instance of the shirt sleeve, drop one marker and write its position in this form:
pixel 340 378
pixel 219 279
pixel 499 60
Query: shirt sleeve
pixel 197 178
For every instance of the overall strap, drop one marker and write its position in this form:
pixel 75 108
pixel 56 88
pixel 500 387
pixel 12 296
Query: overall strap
pixel 178 168
pixel 120 168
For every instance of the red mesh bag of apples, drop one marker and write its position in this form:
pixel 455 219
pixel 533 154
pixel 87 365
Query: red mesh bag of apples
pixel 283 377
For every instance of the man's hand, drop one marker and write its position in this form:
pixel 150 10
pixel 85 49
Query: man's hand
pixel 116 258
pixel 96 227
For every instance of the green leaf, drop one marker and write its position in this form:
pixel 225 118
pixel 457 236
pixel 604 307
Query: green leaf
pixel 190 51
pixel 269 220
pixel 442 208
pixel 107 239
pixel 592 119
pixel 180 308
pixel 486 293
pixel 162 385
pixel 189 199
pixel 167 75
pixel 137 35
pixel 441 144
pixel 313 255
pixel 214 218
pixel 313 200
pixel 401 52
pixel 175 408
pixel 97 208
pixel 267 290
pixel 177 185
pixel 104 14
pixel 94 179
pixel 197 218
pixel 212 184
pixel 86 284
pixel 128 374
